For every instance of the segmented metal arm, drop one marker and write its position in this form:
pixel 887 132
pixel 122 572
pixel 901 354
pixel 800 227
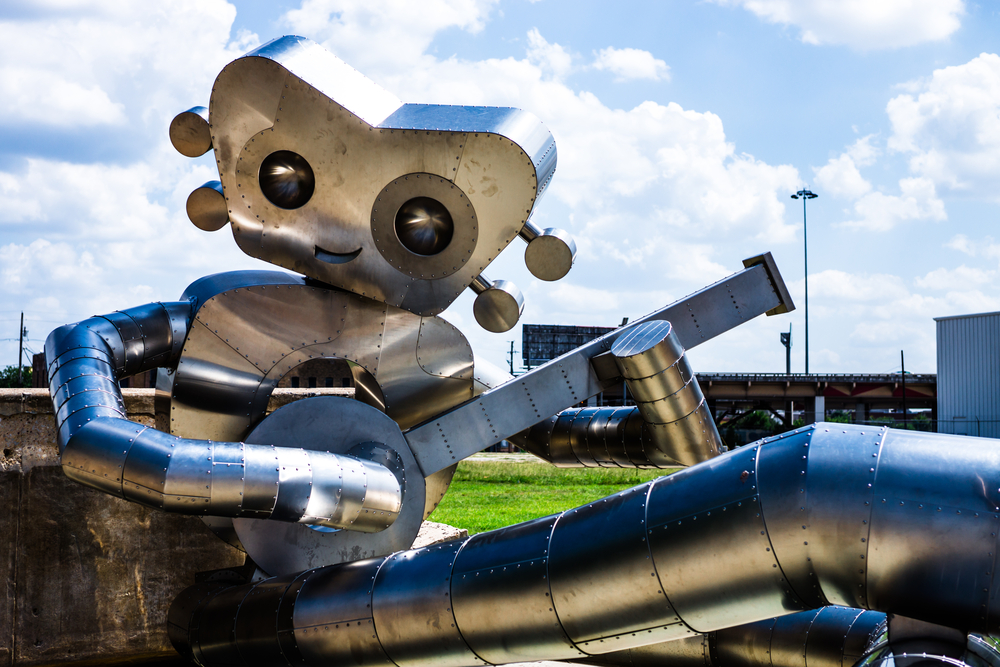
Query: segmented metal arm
pixel 101 448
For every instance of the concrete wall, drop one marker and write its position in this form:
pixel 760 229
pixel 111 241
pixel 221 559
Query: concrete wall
pixel 89 576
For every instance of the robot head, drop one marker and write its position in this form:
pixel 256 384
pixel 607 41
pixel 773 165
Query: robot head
pixel 325 173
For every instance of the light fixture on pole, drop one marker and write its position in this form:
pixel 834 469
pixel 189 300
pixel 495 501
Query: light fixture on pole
pixel 805 195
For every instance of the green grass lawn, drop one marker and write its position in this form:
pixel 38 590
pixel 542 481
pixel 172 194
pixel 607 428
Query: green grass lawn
pixel 486 495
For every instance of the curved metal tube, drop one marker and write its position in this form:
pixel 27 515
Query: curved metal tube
pixel 102 449
pixel 670 426
pixel 620 438
pixel 826 637
pixel 828 514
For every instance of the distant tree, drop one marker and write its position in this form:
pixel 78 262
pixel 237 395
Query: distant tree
pixel 8 377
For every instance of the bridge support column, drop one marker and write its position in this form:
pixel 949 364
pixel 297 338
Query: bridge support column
pixel 819 409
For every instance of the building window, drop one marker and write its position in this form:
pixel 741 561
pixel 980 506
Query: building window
pixel 312 383
pixel 329 382
pixel 295 383
pixel 345 382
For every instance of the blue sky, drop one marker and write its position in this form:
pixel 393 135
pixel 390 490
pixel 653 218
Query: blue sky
pixel 682 128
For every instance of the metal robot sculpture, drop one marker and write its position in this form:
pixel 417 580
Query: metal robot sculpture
pixel 386 212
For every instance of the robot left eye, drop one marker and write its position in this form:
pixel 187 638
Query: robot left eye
pixel 286 179
pixel 424 226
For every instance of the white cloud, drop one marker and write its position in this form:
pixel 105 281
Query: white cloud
pixel 840 176
pixel 110 63
pixel 629 64
pixel 861 24
pixel 378 37
pixel 950 125
pixel 918 200
pixel 960 278
pixel 549 57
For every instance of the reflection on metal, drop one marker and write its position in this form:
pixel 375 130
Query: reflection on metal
pixel 388 211
pixel 207 208
pixel 550 252
pixel 823 515
pixel 620 438
pixel 190 132
pixel 348 427
pixel 826 637
pixel 574 377
pixel 424 226
pixel 498 304
pixel 286 179
pixel 370 155
pixel 102 449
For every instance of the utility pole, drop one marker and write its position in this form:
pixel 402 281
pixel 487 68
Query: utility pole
pixel 786 340
pixel 510 357
pixel 20 353
pixel 902 373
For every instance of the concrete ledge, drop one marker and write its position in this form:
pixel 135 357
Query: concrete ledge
pixel 89 576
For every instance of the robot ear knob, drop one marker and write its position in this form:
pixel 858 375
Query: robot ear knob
pixel 498 304
pixel 190 132
pixel 207 207
pixel 550 254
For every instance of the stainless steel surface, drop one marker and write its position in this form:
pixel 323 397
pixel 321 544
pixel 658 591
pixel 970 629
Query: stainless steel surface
pixel 286 179
pixel 550 253
pixel 548 389
pixel 620 437
pixel 498 308
pixel 245 339
pixel 206 207
pixel 659 377
pixel 104 450
pixel 190 133
pixel 485 166
pixel 825 637
pixel 338 426
pixel 707 549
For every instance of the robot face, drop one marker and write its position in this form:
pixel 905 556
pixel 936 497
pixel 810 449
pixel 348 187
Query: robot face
pixel 325 173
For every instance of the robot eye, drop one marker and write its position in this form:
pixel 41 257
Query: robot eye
pixel 286 179
pixel 424 226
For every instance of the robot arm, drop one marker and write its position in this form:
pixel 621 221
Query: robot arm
pixel 101 448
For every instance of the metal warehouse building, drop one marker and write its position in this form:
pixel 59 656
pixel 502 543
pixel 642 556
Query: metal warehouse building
pixel 968 374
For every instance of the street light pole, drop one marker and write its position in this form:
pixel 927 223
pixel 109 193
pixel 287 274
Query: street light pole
pixel 805 195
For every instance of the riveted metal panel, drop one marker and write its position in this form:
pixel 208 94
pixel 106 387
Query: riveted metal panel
pixel 712 554
pixel 260 487
pixel 336 425
pixel 934 526
pixel 788 639
pixel 255 629
pixel 294 484
pixel 413 610
pixel 333 616
pixel 213 641
pixel 130 337
pixel 503 574
pixel 835 484
pixel 748 644
pixel 647 349
pixel 597 438
pixel 827 636
pixel 579 436
pixel 605 590
pixel 552 387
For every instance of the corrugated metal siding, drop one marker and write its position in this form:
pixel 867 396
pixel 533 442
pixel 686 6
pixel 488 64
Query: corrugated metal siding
pixel 968 375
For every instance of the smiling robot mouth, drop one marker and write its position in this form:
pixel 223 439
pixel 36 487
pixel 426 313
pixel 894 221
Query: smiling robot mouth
pixel 336 257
